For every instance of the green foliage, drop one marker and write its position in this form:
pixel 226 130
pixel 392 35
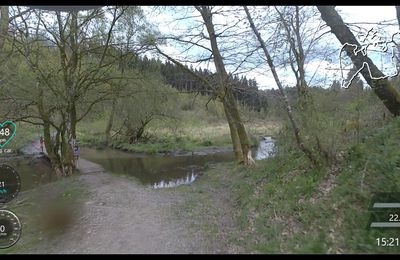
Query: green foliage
pixel 150 100
pixel 331 121
pixel 287 208
pixel 53 76
pixel 179 129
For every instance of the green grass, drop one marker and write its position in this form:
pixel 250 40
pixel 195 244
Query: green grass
pixel 205 207
pixel 190 136
pixel 287 208
pixel 191 126
pixel 187 139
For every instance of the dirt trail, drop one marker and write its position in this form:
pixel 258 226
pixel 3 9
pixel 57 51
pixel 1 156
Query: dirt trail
pixel 121 216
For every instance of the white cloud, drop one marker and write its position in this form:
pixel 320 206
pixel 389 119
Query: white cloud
pixel 363 16
pixel 370 14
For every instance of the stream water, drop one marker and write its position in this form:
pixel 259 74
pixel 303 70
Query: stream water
pixel 155 171
pixel 166 171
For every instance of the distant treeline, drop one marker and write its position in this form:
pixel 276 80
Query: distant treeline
pixel 246 90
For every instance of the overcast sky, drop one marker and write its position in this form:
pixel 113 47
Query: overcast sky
pixel 361 15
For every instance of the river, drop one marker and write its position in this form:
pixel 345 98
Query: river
pixel 156 171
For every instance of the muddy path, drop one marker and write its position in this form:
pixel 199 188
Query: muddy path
pixel 119 215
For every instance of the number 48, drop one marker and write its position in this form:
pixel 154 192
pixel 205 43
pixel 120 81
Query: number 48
pixel 5 131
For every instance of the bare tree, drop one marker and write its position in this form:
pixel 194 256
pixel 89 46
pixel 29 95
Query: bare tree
pixel 289 111
pixel 225 89
pixel 215 47
pixel 291 26
pixel 381 85
pixel 130 29
pixel 302 35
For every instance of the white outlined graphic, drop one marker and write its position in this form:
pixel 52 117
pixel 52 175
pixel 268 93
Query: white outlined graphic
pixel 380 44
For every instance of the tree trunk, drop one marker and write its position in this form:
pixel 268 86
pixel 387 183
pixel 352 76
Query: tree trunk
pixel 110 122
pixel 289 111
pixel 4 16
pixel 389 95
pixel 225 93
pixel 70 81
pixel 240 128
pixel 48 143
pixel 398 14
pixel 306 102
pixel 68 156
pixel 300 56
pixel 142 127
pixel 54 158
pixel 296 49
pixel 237 149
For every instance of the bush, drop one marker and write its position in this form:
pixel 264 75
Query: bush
pixel 332 121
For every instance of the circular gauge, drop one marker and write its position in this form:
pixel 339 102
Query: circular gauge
pixel 10 228
pixel 10 183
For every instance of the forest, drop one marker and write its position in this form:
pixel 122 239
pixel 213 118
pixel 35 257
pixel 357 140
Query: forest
pixel 170 83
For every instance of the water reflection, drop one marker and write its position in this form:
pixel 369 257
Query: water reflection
pixel 166 171
pixel 266 148
pixel 170 184
pixel 151 170
pixel 155 171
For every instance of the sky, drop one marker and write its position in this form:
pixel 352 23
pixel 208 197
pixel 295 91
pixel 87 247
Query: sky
pixel 324 71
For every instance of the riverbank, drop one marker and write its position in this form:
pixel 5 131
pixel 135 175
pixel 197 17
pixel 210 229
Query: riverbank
pixel 283 206
pixel 277 206
pixel 211 211
pixel 198 139
pixel 78 214
pixel 85 212
pixel 107 213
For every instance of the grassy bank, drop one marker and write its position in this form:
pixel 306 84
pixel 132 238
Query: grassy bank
pixel 209 211
pixel 284 207
pixel 193 127
pixel 187 138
